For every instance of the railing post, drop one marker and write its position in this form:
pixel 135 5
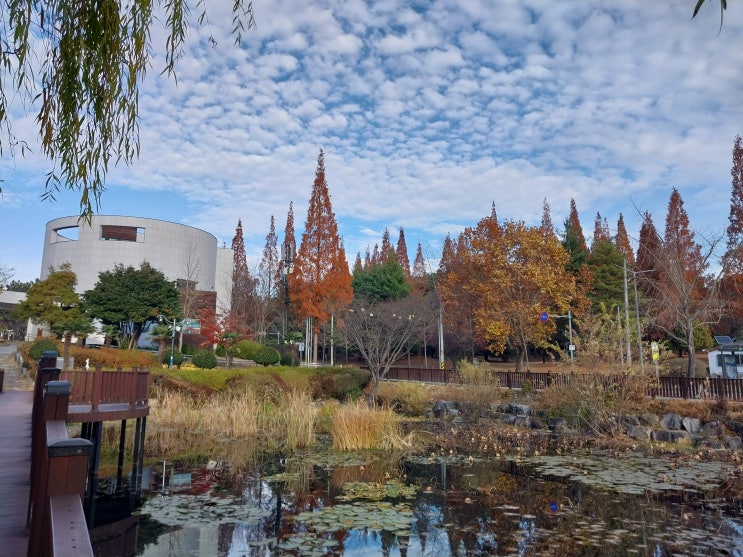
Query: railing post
pixel 97 388
pixel 45 372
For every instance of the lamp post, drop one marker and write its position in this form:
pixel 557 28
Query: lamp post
pixel 287 267
pixel 174 325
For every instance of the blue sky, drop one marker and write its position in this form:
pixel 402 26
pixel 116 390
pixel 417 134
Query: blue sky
pixel 428 111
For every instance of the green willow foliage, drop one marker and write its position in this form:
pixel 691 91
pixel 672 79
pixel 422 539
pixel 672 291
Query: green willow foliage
pixel 80 65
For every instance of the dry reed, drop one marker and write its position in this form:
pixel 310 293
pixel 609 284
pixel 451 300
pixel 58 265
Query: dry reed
pixel 358 426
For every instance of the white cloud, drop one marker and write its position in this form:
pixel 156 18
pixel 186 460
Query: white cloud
pixel 427 115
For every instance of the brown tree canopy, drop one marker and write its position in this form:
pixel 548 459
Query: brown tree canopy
pixel 402 253
pixel 622 241
pixel 320 285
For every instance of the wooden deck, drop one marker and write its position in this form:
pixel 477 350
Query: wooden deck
pixel 15 463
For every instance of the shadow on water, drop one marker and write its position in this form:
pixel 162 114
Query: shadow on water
pixel 358 505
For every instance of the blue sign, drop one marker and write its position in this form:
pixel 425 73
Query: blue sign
pixel 544 316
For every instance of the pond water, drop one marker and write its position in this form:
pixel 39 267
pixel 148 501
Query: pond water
pixel 361 505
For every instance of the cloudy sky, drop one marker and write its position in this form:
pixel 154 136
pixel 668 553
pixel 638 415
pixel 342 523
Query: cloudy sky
pixel 428 112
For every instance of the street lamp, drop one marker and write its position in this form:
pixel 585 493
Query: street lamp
pixel 174 325
pixel 287 267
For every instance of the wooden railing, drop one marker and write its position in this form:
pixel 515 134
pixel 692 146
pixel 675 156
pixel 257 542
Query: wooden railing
pixel 108 387
pixel 667 386
pixel 59 470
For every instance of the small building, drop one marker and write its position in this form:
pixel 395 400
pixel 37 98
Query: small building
pixel 726 360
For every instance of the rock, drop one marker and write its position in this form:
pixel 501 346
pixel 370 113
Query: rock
pixel 733 443
pixel 508 419
pixel 558 424
pixel 671 421
pixel 650 420
pixel 629 420
pixel 711 444
pixel 669 435
pixel 638 432
pixel 692 425
pixel 444 408
pixel 520 409
pixel 522 421
pixel 501 408
pixel 711 429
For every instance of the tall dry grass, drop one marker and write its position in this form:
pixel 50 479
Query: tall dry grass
pixel 178 424
pixel 357 426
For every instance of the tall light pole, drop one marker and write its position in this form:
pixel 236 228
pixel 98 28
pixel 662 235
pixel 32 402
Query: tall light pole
pixel 287 267
pixel 626 315
pixel 174 325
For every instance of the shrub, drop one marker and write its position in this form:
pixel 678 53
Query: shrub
pixel 247 349
pixel 287 360
pixel 410 399
pixel 204 358
pixel 345 384
pixel 177 357
pixel 266 356
pixel 40 346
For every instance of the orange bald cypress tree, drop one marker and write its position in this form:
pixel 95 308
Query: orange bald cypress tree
pixel 622 241
pixel 320 285
pixel 402 253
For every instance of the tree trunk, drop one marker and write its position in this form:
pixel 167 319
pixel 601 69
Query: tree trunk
pixel 519 359
pixel 691 366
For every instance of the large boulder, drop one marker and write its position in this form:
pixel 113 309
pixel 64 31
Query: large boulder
pixel 638 432
pixel 669 435
pixel 671 421
pixel 692 425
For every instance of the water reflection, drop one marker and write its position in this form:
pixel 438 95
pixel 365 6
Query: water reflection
pixel 296 507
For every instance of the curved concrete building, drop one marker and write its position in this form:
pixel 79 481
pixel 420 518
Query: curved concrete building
pixel 179 251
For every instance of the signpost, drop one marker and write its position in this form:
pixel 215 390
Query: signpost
pixel 655 351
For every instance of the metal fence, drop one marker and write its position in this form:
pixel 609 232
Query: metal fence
pixel 699 388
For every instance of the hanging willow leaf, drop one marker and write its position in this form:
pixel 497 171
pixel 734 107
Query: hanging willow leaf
pixel 79 66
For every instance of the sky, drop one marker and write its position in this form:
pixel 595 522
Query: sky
pixel 428 112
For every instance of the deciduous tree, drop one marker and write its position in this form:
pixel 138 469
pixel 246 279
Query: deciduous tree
pixel 402 253
pixel 383 331
pixel 242 300
pixel 321 283
pixel 622 241
pixel 222 330
pixel 518 274
pixel 681 295
pixel 53 302
pixel 130 298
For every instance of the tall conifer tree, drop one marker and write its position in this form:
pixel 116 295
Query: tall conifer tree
pixel 402 253
pixel 321 283
pixel 243 285
pixel 622 241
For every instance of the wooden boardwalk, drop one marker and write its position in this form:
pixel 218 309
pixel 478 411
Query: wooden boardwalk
pixel 15 467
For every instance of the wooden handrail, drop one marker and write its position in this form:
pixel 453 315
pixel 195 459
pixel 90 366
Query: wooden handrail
pixel 58 478
pixel 69 531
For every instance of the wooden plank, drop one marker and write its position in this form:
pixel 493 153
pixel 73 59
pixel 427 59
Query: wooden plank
pixel 15 462
pixel 68 527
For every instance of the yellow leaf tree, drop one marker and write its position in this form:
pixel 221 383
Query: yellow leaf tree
pixel 516 275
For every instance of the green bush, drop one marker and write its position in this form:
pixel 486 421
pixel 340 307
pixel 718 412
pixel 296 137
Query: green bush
pixel 288 360
pixel 40 346
pixel 177 357
pixel 205 359
pixel 247 349
pixel 267 356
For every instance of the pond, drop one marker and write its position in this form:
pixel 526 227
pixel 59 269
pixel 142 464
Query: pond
pixel 593 503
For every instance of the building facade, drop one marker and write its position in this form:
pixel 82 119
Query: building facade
pixel 180 252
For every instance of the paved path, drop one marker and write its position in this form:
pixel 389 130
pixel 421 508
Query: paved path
pixel 15 378
pixel 15 463
pixel 16 401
